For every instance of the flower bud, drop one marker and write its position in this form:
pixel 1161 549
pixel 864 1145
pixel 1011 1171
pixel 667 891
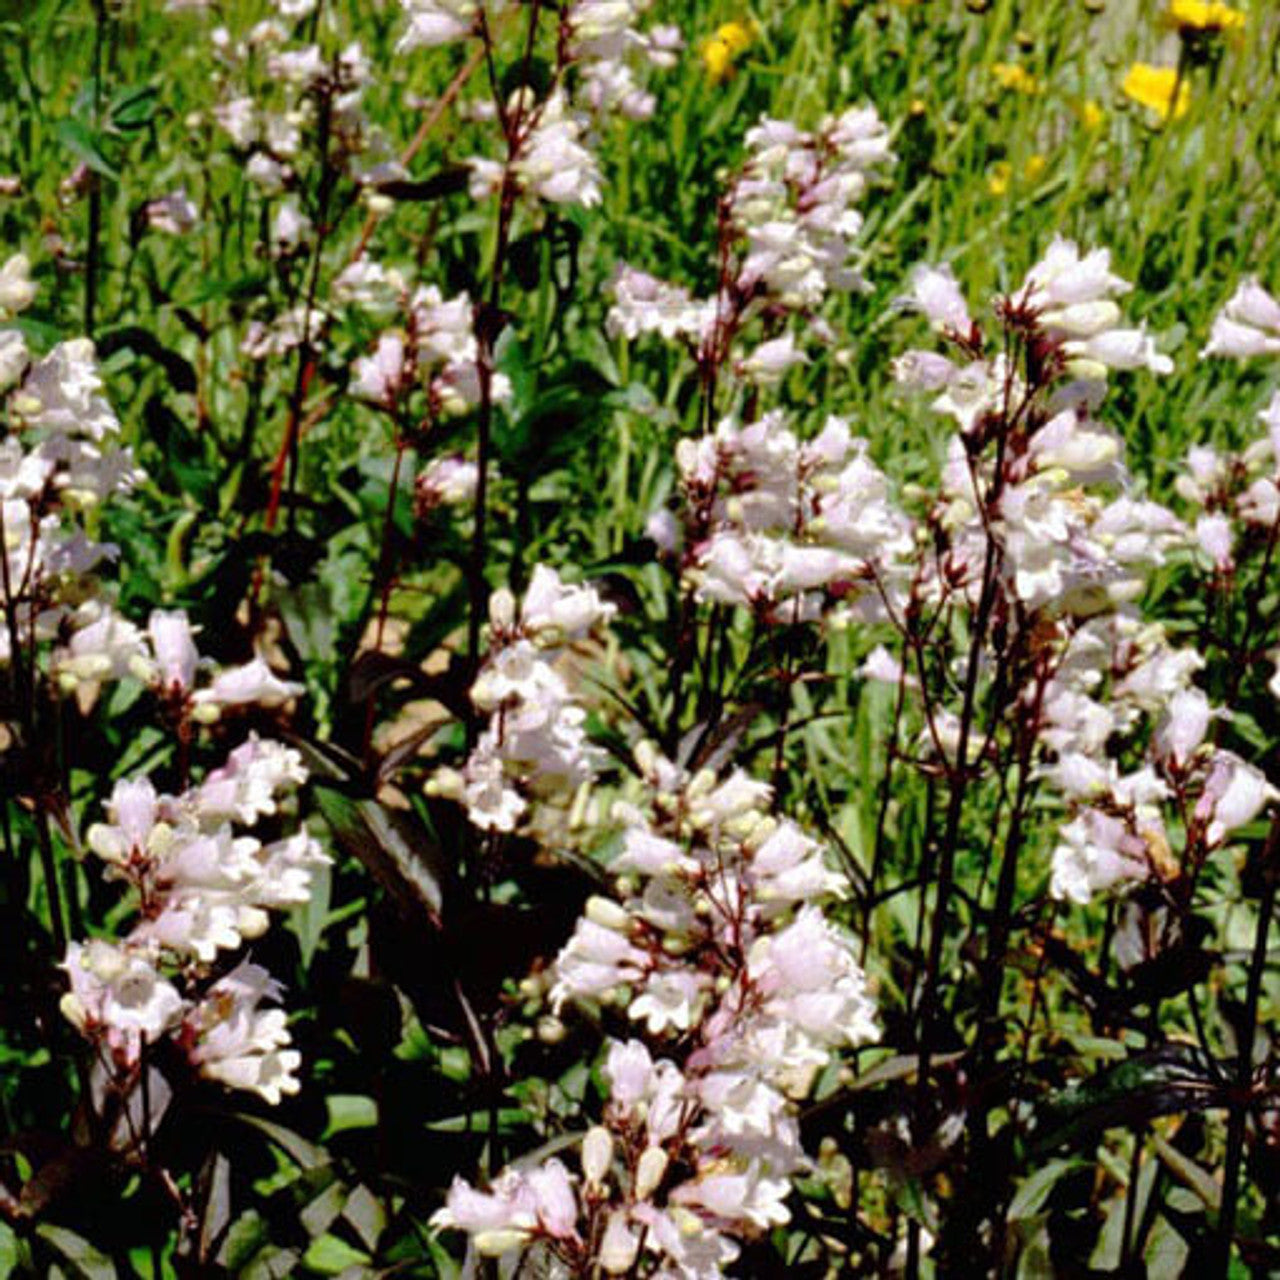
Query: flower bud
pixel 650 1171
pixel 491 1244
pixel 607 914
pixel 502 610
pixel 597 1154
pixel 550 1030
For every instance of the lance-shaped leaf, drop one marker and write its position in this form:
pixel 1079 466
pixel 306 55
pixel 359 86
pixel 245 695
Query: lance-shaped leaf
pixel 1168 1080
pixel 396 848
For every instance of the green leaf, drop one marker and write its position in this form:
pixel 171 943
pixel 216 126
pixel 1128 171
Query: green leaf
pixel 82 142
pixel 84 1258
pixel 349 1111
pixel 303 1153
pixel 309 920
pixel 365 1213
pixel 134 108
pixel 1034 1191
pixel 1190 1174
pixel 331 1257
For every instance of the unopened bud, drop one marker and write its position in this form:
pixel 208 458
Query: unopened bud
pixel 446 783
pixel 607 914
pixel 206 713
pixel 502 610
pixel 597 1154
pixel 491 1244
pixel 550 1030
pixel 650 1171
pixel 646 756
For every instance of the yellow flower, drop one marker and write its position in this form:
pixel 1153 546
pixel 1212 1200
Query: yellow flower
pixel 1191 16
pixel 1092 115
pixel 1015 78
pixel 720 50
pixel 1000 175
pixel 1154 87
pixel 736 36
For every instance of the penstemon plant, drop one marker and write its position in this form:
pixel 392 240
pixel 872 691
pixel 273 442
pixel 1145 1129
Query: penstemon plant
pixel 576 707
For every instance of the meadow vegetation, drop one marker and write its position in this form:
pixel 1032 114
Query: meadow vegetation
pixel 639 638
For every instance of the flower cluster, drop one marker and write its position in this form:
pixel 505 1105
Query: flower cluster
pixel 165 658
pixel 534 755
pixel 1116 677
pixel 202 885
pixel 1050 517
pixel 436 348
pixel 795 531
pixel 61 459
pixel 791 211
pixel 718 948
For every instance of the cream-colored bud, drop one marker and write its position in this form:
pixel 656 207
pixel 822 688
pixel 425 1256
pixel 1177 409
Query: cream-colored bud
pixel 650 1170
pixel 550 1030
pixel 252 922
pixel 701 784
pixel 646 757
pixel 446 783
pixel 502 610
pixel 597 1154
pixel 491 1244
pixel 72 1010
pixel 607 914
pixel 206 713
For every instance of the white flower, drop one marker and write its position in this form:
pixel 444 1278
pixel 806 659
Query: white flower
pixel 117 992
pixel 1249 324
pixel 435 22
pixel 174 647
pixel 174 214
pixel 240 1045
pixel 254 682
pixel 1184 726
pixel 1214 535
pixel 768 364
pixel 289 228
pixel 381 376
pixel 1234 794
pixel 935 293
pixel 17 289
pixel 1072 296
pixel 643 304
pixel 446 482
pixel 1096 852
